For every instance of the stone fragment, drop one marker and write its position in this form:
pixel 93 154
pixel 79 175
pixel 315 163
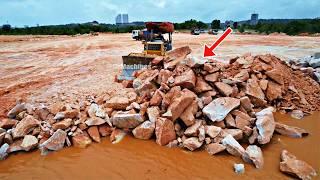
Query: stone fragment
pixel 117 135
pixel 156 98
pixel 127 120
pixel 291 131
pixel 297 114
pixel 276 75
pixel 175 56
pixel 4 151
pixel 192 143
pixel 246 104
pixel 164 131
pixel 94 133
pixel 224 88
pixel 186 79
pixel 144 130
pixel 202 85
pixel 212 131
pixel 153 113
pixel 291 165
pixel 7 123
pixel 94 121
pixel 265 125
pixel 29 142
pixel 255 93
pixel 105 130
pixel 215 148
pixel 253 154
pixel 16 110
pixel 179 104
pixel 188 115
pixel 15 146
pixel 118 103
pixel 238 168
pixel 81 140
pixel 263 84
pixel 219 108
pixel 56 141
pixel 232 146
pixel 242 76
pixel 237 134
pixel 167 99
pixel 273 91
pixel 25 126
pixel 194 129
pixel 212 77
pixel 64 124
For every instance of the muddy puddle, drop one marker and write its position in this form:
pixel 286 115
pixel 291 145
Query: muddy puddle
pixel 138 159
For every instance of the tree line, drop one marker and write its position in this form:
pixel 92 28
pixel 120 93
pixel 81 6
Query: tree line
pixel 291 28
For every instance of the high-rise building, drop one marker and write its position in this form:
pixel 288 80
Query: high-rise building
pixel 254 19
pixel 122 19
pixel 125 18
pixel 118 19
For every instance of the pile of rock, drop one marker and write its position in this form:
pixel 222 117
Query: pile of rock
pixel 181 102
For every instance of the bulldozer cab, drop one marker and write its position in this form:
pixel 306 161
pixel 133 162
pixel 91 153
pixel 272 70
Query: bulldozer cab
pixel 158 45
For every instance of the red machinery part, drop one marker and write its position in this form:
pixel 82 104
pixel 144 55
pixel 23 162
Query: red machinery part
pixel 164 27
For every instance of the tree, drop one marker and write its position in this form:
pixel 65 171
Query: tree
pixel 215 24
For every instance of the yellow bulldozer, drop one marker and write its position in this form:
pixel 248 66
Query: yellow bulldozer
pixel 157 41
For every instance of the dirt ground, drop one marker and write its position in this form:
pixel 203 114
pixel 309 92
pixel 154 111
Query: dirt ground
pixel 38 68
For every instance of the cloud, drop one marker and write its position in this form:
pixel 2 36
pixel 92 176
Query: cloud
pixel 43 12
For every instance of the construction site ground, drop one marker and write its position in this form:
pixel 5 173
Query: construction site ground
pixel 39 68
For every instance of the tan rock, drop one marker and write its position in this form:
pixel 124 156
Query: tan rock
pixel 175 56
pixel 25 126
pixel 202 85
pixel 265 125
pixel 64 124
pixel 212 131
pixel 163 76
pixel 253 154
pixel 186 79
pixel 215 148
pixel 164 131
pixel 118 102
pixel 274 91
pixel 232 146
pixel 263 84
pixel 242 76
pixel 188 115
pixel 179 104
pixel 224 88
pixel 230 122
pixel 117 135
pixel 173 92
pixel 144 130
pixel 192 143
pixel 212 77
pixel 7 123
pixel 127 120
pixel 94 121
pixel 291 165
pixel 94 133
pixel 276 75
pixel 105 130
pixel 246 103
pixel 153 113
pixel 254 136
pixel 56 141
pixel 291 131
pixel 81 140
pixel 255 93
pixel 219 108
pixel 29 142
pixel 15 146
pixel 237 134
pixel 16 110
pixel 156 98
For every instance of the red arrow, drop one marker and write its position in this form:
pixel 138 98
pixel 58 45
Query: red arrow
pixel 208 51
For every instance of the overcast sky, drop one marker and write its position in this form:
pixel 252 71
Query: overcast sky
pixel 45 12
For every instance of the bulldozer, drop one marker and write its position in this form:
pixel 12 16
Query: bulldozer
pixel 155 44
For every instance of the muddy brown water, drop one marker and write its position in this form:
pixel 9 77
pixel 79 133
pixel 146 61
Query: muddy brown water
pixel 138 159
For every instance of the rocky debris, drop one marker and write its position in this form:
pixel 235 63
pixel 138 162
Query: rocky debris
pixel 126 120
pixel 219 108
pixel 94 121
pixel 290 131
pixel 118 102
pixel 186 79
pixel 212 131
pixel 265 125
pixel 81 140
pixel 214 148
pixel 105 130
pixel 153 113
pixel 55 142
pixel 16 110
pixel 194 129
pixel 25 126
pixel 64 124
pixel 256 94
pixel 238 168
pixel 232 146
pixel 297 114
pixel 291 165
pixel 253 154
pixel 164 131
pixel 192 143
pixel 224 88
pixel 144 130
pixel 94 133
pixel 188 115
pixel 29 142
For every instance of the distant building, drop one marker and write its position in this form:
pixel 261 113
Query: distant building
pixel 122 19
pixel 125 18
pixel 254 19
